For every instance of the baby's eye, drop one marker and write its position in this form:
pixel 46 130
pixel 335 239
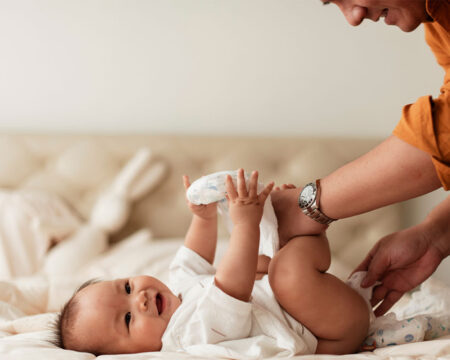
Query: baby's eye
pixel 127 319
pixel 127 288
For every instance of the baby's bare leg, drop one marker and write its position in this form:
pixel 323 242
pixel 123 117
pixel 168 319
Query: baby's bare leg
pixel 335 313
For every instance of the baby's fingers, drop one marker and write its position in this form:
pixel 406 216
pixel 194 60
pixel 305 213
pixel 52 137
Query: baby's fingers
pixel 231 190
pixel 253 185
pixel 265 193
pixel 186 182
pixel 241 185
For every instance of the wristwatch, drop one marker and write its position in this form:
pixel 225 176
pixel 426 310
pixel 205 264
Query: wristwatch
pixel 308 201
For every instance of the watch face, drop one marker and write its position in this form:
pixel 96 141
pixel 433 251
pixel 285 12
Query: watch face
pixel 307 196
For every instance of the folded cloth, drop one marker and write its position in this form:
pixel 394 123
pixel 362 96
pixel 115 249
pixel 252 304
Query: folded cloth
pixel 212 188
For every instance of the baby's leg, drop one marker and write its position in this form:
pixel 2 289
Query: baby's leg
pixel 330 309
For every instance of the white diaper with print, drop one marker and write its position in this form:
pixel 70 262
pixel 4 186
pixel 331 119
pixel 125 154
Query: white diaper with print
pixel 387 330
pixel 212 188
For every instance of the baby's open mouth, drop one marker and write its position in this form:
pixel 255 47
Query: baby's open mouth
pixel 159 303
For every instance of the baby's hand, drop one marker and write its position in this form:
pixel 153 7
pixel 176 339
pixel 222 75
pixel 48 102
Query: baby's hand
pixel 205 212
pixel 246 206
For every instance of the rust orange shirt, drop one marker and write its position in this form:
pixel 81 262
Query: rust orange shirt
pixel 426 123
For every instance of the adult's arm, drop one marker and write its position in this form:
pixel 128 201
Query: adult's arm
pixel 393 171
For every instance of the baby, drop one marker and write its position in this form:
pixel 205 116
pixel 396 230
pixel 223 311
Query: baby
pixel 297 309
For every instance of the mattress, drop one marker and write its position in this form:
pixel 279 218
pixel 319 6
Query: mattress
pixel 28 304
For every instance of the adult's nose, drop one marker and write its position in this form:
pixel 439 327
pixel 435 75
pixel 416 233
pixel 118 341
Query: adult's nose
pixel 355 14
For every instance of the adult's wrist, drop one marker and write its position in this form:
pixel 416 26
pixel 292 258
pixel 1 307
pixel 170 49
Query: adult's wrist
pixel 438 235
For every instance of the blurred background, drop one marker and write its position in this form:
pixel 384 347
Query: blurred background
pixel 208 67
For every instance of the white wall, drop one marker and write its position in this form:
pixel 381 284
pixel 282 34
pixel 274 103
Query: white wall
pixel 206 66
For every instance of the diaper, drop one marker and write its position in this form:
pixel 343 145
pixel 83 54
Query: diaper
pixel 387 330
pixel 211 188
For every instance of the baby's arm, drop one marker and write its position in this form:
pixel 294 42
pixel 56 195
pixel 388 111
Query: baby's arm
pixel 201 236
pixel 236 272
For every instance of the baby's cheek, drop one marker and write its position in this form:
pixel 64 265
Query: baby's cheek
pixel 148 333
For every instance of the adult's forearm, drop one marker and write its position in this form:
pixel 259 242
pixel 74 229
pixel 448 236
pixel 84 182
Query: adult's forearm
pixel 437 224
pixel 392 172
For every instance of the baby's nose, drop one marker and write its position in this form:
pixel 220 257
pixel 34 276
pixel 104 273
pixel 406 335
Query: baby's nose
pixel 142 300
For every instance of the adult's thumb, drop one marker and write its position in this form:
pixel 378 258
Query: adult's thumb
pixel 375 271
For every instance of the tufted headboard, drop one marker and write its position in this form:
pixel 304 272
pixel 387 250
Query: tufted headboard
pixel 79 167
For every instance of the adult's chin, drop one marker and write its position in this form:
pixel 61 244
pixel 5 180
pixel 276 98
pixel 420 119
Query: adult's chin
pixel 405 26
pixel 410 27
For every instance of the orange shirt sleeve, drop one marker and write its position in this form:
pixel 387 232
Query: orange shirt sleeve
pixel 426 123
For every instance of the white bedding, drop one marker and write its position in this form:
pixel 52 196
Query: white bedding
pixel 27 305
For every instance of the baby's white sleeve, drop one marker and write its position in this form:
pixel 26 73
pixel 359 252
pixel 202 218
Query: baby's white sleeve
pixel 217 317
pixel 186 266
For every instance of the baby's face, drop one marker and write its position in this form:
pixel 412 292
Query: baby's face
pixel 124 315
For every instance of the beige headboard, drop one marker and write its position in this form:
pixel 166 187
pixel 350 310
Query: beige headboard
pixel 78 167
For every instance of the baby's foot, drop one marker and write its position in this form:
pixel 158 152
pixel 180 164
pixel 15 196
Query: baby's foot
pixel 291 220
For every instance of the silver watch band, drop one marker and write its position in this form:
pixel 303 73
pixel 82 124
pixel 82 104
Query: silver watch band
pixel 313 210
pixel 315 214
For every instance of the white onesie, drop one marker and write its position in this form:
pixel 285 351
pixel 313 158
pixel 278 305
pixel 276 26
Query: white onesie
pixel 211 323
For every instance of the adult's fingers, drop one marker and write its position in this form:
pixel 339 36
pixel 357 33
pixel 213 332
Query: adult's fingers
pixel 364 266
pixel 391 298
pixel 231 190
pixel 253 185
pixel 377 267
pixel 378 294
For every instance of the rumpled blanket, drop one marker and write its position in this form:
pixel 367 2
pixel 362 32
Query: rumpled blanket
pixel 30 222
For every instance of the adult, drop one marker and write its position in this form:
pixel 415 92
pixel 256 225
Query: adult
pixel 413 161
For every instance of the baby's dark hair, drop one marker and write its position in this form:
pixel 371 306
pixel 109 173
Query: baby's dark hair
pixel 63 325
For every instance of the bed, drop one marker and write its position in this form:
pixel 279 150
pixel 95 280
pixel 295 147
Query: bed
pixel 59 178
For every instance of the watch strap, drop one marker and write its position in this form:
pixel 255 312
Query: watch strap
pixel 313 211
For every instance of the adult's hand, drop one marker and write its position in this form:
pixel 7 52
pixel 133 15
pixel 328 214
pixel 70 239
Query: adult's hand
pixel 403 260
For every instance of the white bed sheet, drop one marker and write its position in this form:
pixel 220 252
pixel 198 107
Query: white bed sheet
pixel 27 306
